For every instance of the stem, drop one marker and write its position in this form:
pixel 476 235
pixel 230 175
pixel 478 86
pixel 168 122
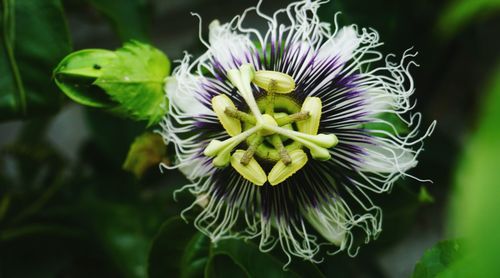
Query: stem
pixel 7 21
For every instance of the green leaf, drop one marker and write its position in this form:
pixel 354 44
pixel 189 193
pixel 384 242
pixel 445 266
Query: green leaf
pixel 129 81
pixel 475 203
pixel 147 151
pixel 120 229
pixel 112 135
pixel 33 38
pixel 255 263
pixel 222 266
pixel 136 79
pixel 439 258
pixel 77 72
pixel 130 18
pixel 178 250
pixel 424 196
pixel 461 12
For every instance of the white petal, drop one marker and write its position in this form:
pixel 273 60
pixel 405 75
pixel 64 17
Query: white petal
pixel 342 45
pixel 181 94
pixel 387 158
pixel 378 101
pixel 196 168
pixel 229 48
pixel 330 222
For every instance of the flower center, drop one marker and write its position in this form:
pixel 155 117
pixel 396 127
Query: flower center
pixel 276 129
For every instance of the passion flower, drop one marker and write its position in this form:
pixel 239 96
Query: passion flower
pixel 285 134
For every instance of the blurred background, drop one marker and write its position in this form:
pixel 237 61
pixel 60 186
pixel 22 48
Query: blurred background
pixel 69 209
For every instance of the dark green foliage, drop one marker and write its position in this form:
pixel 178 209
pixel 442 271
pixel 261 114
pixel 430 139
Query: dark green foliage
pixel 33 39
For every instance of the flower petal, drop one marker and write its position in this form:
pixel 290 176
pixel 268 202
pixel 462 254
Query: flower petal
pixel 383 157
pixel 181 94
pixel 330 221
pixel 229 49
pixel 342 45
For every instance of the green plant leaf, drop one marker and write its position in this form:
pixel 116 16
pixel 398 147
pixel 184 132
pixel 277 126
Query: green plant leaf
pixel 120 229
pixel 129 81
pixel 33 38
pixel 475 202
pixel 178 250
pixel 130 18
pixel 460 12
pixel 77 72
pixel 439 258
pixel 147 151
pixel 255 263
pixel 136 79
pixel 223 266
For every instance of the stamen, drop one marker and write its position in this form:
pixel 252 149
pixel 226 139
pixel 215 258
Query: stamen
pixel 312 106
pixel 273 81
pixel 270 124
pixel 280 172
pixel 251 171
pixel 220 104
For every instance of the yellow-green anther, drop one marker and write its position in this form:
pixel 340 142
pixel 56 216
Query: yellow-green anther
pixel 219 104
pixel 278 145
pixel 274 81
pixel 252 171
pixel 312 106
pixel 280 172
pixel 255 141
pixel 242 116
